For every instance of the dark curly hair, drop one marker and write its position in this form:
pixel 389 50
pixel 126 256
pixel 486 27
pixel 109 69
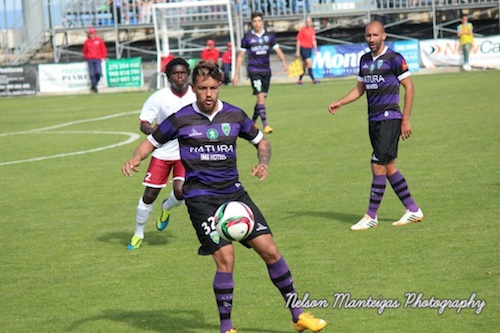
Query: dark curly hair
pixel 175 62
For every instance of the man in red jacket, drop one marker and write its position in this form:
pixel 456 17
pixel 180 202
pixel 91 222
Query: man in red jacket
pixel 210 53
pixel 94 50
pixel 227 59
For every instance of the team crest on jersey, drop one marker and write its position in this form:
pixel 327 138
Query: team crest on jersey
pixel 379 64
pixel 212 134
pixel 215 237
pixel 372 67
pixel 266 39
pixel 226 128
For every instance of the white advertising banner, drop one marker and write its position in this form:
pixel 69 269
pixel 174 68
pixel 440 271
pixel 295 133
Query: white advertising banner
pixel 485 53
pixel 67 77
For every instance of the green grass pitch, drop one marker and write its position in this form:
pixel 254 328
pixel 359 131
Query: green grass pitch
pixel 67 213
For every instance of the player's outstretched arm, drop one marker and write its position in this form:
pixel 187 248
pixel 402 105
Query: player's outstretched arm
pixel 353 95
pixel 141 152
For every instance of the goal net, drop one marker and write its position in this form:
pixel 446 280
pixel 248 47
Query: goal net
pixel 182 29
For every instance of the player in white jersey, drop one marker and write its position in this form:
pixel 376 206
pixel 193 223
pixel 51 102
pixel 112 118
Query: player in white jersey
pixel 166 158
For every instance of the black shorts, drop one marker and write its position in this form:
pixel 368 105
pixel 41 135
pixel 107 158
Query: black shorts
pixel 305 53
pixel 260 82
pixel 384 137
pixel 201 211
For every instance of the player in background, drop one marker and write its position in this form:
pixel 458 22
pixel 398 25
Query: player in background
pixel 306 44
pixel 207 131
pixel 257 44
pixel 381 72
pixel 157 108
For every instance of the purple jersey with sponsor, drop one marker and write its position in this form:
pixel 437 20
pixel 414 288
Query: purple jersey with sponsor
pixel 208 146
pixel 382 76
pixel 258 48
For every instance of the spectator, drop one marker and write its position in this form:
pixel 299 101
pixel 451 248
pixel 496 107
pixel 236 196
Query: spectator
pixel 305 6
pixel 240 4
pixel 120 4
pixel 227 58
pixel 210 52
pixel 146 11
pixel 132 11
pixel 94 51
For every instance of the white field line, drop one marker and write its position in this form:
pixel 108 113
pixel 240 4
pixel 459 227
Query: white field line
pixel 46 130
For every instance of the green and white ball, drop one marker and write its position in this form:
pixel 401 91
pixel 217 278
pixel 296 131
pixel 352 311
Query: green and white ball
pixel 234 221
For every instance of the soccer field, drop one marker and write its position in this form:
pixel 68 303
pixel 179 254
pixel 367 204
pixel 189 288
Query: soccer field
pixel 68 213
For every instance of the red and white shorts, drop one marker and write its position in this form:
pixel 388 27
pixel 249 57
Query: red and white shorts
pixel 159 170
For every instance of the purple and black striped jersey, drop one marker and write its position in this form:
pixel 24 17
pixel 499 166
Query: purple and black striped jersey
pixel 208 146
pixel 382 76
pixel 258 48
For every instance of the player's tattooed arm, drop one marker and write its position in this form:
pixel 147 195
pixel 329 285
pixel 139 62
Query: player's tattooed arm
pixel 264 156
pixel 264 152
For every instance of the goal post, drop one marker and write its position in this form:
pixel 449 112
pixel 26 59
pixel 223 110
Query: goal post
pixel 182 29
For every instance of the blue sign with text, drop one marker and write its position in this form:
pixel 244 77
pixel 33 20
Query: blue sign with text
pixel 343 60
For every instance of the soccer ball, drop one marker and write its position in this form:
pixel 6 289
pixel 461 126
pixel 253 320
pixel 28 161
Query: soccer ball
pixel 234 221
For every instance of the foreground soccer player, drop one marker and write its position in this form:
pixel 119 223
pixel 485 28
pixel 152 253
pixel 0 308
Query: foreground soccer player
pixel 207 131
pixel 381 72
